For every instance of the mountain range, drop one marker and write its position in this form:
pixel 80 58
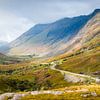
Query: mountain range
pixel 62 36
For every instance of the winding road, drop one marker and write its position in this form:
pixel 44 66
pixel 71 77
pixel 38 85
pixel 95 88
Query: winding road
pixel 73 77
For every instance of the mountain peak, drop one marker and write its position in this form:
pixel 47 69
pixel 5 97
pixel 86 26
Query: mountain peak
pixel 96 11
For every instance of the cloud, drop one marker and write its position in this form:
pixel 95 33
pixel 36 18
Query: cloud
pixel 42 11
pixel 12 26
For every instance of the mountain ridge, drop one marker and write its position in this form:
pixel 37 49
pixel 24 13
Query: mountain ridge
pixel 42 38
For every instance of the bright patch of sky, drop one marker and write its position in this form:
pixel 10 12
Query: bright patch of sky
pixel 17 16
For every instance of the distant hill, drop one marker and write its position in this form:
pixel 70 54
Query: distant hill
pixel 63 36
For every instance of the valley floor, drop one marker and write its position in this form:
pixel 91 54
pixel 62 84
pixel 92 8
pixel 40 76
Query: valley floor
pixel 68 93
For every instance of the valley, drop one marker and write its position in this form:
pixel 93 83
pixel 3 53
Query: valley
pixel 39 80
pixel 48 79
pixel 55 61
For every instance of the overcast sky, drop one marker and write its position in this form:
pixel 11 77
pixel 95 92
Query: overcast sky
pixel 17 16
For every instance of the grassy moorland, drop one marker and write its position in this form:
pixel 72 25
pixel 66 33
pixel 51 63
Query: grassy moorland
pixel 28 77
pixel 87 62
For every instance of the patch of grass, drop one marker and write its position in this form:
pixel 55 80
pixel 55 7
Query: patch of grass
pixel 86 62
pixel 69 95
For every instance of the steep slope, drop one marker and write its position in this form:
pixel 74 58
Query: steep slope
pixel 86 58
pixel 52 39
pixel 87 38
pixel 29 34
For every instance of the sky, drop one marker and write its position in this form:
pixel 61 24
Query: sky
pixel 17 16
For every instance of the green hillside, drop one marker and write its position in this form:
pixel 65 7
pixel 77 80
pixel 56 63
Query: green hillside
pixel 87 62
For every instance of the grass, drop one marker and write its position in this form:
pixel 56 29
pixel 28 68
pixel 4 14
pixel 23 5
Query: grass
pixel 86 62
pixel 28 77
pixel 69 95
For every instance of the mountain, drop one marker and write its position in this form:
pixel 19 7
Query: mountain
pixel 65 35
pixel 88 36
